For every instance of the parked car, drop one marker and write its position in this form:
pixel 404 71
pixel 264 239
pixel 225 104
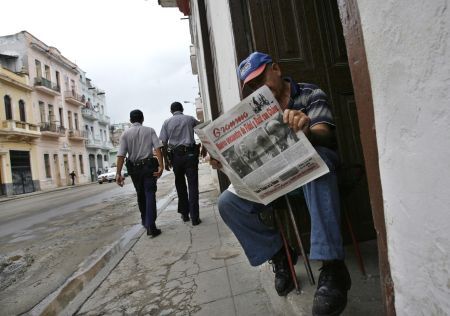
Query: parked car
pixel 109 176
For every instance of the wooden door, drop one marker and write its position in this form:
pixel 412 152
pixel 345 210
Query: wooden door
pixel 305 38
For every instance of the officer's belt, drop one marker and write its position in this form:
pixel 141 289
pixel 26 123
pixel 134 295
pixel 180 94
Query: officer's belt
pixel 142 162
pixel 183 149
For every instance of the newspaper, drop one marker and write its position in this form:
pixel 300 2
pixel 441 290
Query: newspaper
pixel 263 158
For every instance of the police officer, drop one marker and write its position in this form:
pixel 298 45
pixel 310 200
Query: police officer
pixel 139 142
pixel 177 135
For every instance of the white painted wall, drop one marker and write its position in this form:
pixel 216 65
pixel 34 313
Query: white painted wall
pixel 198 43
pixel 409 62
pixel 225 58
pixel 225 52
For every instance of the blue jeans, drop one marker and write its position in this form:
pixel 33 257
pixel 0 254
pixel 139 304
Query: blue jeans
pixel 260 242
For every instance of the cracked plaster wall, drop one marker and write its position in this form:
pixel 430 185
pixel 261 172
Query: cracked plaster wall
pixel 407 49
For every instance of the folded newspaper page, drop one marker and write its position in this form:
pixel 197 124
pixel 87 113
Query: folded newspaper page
pixel 263 158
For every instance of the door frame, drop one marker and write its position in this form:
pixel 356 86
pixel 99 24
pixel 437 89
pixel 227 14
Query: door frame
pixel 356 52
pixel 351 23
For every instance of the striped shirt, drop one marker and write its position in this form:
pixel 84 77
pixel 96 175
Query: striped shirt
pixel 311 100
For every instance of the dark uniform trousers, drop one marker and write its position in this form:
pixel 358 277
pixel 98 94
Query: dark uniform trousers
pixel 144 182
pixel 185 164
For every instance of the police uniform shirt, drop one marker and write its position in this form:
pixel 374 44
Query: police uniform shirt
pixel 178 130
pixel 138 141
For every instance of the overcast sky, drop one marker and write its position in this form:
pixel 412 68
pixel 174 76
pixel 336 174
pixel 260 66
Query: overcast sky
pixel 135 50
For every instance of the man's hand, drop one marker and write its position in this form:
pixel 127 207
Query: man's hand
pixel 158 173
pixel 297 120
pixel 120 180
pixel 203 151
pixel 215 164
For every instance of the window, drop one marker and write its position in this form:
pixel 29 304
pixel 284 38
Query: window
pixel 47 73
pixel 105 157
pixel 69 118
pixel 42 111
pixel 61 117
pixel 76 120
pixel 74 159
pixel 8 109
pixel 51 114
pixel 48 173
pixel 22 111
pixel 80 157
pixel 57 80
pixel 38 68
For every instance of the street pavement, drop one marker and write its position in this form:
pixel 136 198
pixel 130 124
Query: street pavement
pixel 197 270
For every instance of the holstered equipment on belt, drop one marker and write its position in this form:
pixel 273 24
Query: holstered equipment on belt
pixel 182 150
pixel 144 166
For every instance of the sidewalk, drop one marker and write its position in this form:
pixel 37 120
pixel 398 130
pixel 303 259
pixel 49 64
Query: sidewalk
pixel 186 270
pixel 202 270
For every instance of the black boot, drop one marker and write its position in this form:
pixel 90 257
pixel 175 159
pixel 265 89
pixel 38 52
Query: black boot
pixel 331 294
pixel 280 265
pixel 153 232
pixel 185 217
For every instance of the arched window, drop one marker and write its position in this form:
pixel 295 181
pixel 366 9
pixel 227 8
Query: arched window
pixel 22 111
pixel 8 109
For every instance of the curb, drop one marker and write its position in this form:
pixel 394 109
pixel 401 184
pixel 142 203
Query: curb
pixel 69 297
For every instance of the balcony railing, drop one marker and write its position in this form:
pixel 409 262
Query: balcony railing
pixel 102 118
pixel 45 83
pixel 94 143
pixel 12 127
pixel 74 98
pixel 89 114
pixel 47 127
pixel 76 134
pixel 108 145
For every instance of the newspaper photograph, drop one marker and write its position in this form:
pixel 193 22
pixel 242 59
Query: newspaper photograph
pixel 263 158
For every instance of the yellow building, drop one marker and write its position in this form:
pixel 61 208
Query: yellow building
pixel 19 172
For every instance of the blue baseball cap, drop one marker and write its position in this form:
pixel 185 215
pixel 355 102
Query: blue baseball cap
pixel 253 66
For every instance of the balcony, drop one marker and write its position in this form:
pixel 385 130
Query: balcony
pixel 103 119
pixel 46 86
pixel 92 143
pixel 74 98
pixel 89 114
pixel 52 130
pixel 13 129
pixel 108 145
pixel 77 135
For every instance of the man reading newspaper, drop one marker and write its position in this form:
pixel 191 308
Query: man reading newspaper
pixel 304 108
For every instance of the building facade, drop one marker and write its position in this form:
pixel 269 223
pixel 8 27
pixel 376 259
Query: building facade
pixel 116 131
pixel 19 131
pixel 96 127
pixel 59 94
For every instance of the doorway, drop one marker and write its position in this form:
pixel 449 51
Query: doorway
pixel 22 178
pixel 93 170
pixel 57 170
pixel 306 38
pixel 66 169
